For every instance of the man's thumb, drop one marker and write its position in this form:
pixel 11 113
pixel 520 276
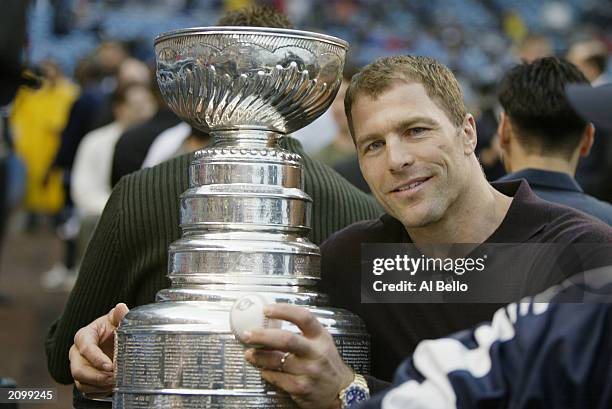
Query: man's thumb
pixel 118 313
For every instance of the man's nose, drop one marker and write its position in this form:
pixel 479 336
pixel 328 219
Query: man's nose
pixel 399 155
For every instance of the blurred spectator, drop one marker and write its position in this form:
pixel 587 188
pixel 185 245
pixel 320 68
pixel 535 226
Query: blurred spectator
pixel 82 115
pixel 37 120
pixel 133 71
pixel 167 144
pixel 340 153
pixel 534 47
pixel 542 137
pixel 342 147
pixel 91 187
pixel 488 150
pixel 130 71
pixel 591 57
pixel 12 171
pixel 594 105
pixel 133 145
pixel 175 141
pixel 80 121
pixel 110 55
pixel 12 180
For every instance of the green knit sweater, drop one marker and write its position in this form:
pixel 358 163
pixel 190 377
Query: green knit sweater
pixel 127 257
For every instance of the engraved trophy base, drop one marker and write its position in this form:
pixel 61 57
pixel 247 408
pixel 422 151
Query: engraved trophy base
pixel 195 361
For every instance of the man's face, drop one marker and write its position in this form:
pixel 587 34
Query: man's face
pixel 411 155
pixel 138 107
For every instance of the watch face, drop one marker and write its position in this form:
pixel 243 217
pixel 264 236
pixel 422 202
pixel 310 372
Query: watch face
pixel 355 394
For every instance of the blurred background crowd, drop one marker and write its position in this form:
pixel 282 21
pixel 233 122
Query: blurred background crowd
pixel 92 112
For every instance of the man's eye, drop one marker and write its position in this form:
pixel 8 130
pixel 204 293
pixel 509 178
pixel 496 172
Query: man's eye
pixel 416 131
pixel 374 146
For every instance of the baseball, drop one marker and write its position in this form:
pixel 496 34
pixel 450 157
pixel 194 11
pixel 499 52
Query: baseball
pixel 247 314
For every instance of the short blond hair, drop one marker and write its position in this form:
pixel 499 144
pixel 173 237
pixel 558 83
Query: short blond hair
pixel 255 16
pixel 437 79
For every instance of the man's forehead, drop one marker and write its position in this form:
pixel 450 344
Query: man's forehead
pixel 395 88
pixel 411 97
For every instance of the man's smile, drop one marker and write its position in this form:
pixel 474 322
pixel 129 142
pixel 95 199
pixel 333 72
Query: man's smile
pixel 410 187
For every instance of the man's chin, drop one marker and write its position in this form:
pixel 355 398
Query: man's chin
pixel 418 219
pixel 415 224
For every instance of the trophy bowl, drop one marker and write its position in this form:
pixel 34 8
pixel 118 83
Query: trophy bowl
pixel 241 78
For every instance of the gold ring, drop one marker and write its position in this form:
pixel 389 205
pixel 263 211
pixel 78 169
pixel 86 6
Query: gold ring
pixel 281 367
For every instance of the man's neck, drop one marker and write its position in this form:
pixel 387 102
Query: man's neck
pixel 472 218
pixel 551 163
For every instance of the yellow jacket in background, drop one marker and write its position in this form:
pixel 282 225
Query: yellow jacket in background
pixel 38 118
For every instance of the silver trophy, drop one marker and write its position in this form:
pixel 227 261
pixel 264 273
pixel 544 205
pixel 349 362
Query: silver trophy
pixel 244 218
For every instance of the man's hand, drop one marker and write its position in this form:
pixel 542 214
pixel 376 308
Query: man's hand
pixel 91 355
pixel 313 372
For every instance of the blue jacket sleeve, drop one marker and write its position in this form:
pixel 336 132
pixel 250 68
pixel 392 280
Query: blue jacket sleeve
pixel 531 355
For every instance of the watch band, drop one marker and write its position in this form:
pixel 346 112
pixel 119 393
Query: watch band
pixel 357 391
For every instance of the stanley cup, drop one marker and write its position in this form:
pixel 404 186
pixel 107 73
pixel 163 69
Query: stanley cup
pixel 245 218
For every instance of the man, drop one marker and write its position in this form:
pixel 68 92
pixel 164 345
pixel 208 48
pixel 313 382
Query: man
pixel 542 137
pixel 133 103
pixel 91 188
pixel 591 57
pixel 593 174
pixel 341 147
pixel 415 143
pixel 127 257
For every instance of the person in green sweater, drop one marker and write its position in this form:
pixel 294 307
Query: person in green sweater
pixel 126 260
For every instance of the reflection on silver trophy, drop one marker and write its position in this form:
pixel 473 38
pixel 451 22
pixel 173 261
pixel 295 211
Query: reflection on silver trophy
pixel 244 218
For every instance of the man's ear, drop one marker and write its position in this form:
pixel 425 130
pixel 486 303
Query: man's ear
pixel 470 137
pixel 504 131
pixel 588 137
